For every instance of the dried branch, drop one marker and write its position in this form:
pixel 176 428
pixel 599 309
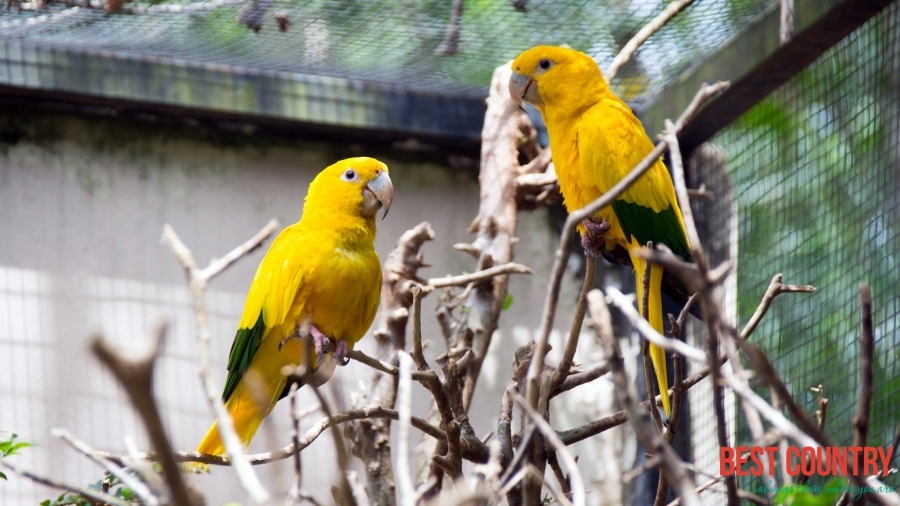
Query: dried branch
pixel 406 492
pixel 643 34
pixel 296 488
pixel 197 281
pixel 866 340
pixel 786 30
pixel 136 377
pixel 476 277
pixel 96 495
pixel 127 479
pixel 581 378
pixel 625 305
pixel 495 225
pixel 775 288
pixel 672 466
pixel 450 44
pixel 387 368
pixel 562 452
pixel 822 412
pixel 562 370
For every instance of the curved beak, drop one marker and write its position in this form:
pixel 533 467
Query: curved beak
pixel 378 193
pixel 524 88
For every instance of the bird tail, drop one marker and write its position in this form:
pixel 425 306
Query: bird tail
pixel 250 402
pixel 655 317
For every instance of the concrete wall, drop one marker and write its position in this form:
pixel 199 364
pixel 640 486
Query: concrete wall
pixel 82 204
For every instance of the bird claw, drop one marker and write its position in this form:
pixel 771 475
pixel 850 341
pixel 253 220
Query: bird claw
pixel 341 350
pixel 593 240
pixel 324 344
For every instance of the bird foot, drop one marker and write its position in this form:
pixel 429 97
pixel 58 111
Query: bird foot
pixel 593 240
pixel 325 344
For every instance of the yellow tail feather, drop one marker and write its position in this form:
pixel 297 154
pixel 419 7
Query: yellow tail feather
pixel 654 302
pixel 247 407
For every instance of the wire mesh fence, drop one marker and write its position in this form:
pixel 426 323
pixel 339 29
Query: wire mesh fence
pixel 815 174
pixel 389 41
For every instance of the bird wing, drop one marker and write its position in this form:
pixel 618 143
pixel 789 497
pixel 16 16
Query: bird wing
pixel 611 142
pixel 271 295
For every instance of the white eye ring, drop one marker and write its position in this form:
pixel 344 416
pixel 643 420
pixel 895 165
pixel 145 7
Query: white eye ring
pixel 350 176
pixel 545 64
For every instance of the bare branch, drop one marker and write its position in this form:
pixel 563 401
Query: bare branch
pixel 866 340
pixel 475 277
pixel 562 452
pixel 450 44
pixel 128 480
pixel 672 465
pixel 406 492
pixel 50 482
pixel 624 303
pixel 775 288
pixel 581 378
pixel 562 370
pixel 136 377
pixel 643 34
pixel 197 283
pixel 387 368
pixel 216 266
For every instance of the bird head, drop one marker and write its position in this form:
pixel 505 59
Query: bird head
pixel 550 76
pixel 355 187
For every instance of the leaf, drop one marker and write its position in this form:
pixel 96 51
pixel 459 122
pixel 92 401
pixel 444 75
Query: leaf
pixel 13 450
pixel 507 302
pixel 3 476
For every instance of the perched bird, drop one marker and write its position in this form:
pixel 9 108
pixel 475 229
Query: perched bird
pixel 595 140
pixel 321 278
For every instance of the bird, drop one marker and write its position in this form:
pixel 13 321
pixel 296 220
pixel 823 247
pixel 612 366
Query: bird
pixel 318 286
pixel 595 140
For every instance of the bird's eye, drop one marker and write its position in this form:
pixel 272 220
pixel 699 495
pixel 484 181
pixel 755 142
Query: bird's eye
pixel 545 64
pixel 350 175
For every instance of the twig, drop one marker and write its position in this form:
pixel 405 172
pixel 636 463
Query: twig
pixel 645 352
pixel 786 30
pixel 561 257
pixel 701 193
pixel 216 266
pixel 197 281
pixel 136 376
pixel 128 480
pixel 866 345
pixel 387 368
pixel 711 310
pixel 823 406
pixel 288 451
pixel 558 495
pixel 643 34
pixel 640 419
pixel 450 44
pixel 651 463
pixel 475 277
pixel 406 492
pixel 562 370
pixel 562 452
pixel 340 449
pixel 50 482
pixel 295 440
pixel 623 302
pixel 581 378
pixel 775 288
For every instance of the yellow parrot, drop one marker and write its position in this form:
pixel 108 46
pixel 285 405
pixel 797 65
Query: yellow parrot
pixel 321 277
pixel 596 140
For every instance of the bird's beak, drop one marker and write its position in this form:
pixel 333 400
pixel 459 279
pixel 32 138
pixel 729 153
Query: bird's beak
pixel 524 88
pixel 378 193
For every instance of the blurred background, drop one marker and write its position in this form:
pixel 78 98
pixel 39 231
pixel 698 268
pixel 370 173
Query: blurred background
pixel 213 116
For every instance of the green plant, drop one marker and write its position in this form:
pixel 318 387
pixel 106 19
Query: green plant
pixel 9 447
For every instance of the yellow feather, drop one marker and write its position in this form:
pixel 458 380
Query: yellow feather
pixel 323 270
pixel 596 140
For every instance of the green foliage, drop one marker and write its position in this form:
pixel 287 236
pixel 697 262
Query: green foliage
pixel 507 302
pixel 109 485
pixel 9 447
